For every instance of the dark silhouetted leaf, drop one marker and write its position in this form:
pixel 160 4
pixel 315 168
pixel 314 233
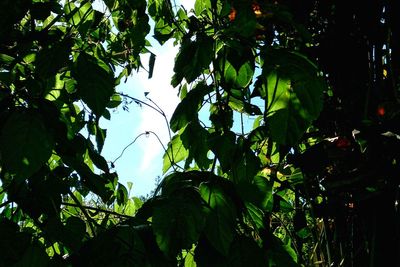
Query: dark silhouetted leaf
pixel 178 222
pixel 95 82
pixel 25 143
pixel 221 222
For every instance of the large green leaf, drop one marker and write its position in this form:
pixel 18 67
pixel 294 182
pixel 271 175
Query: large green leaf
pixel 95 82
pixel 25 143
pixel 178 222
pixel 175 153
pixel 281 254
pixel 187 109
pixel 50 60
pixel 293 92
pixel 245 163
pixel 192 59
pixel 81 17
pixel 221 222
pixel 223 146
pixel 258 192
pixel 201 5
pixel 194 138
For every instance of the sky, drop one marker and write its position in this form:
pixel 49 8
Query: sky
pixel 142 162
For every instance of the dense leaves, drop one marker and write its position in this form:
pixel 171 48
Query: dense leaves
pixel 285 146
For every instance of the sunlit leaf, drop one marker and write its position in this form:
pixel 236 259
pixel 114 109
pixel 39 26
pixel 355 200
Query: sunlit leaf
pixel 175 153
pixel 294 95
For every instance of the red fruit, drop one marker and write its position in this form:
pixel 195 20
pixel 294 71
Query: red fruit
pixel 232 14
pixel 342 142
pixel 380 111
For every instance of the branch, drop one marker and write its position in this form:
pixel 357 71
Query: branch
pixel 97 209
pixel 82 208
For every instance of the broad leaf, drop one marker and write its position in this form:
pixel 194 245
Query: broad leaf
pixel 187 109
pixel 178 222
pixel 194 138
pixel 223 146
pixel 201 5
pixel 95 82
pixel 259 192
pixel 25 143
pixel 192 59
pixel 74 232
pixel 293 91
pixel 175 153
pixel 50 60
pixel 221 222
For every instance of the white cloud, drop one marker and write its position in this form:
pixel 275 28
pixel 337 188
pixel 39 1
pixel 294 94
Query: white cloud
pixel 162 93
pixel 142 162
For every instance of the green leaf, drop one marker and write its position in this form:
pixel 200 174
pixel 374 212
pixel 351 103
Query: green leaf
pixel 122 194
pixel 221 222
pixel 280 254
pixel 245 163
pixel 115 101
pixel 175 153
pixel 192 59
pixel 194 138
pixel 6 59
pixel 245 75
pixel 258 192
pixel 80 17
pixel 265 188
pixel 189 260
pixel 256 215
pixel 98 160
pixel 230 73
pixel 95 82
pixel 187 109
pixel 223 146
pixel 294 95
pixel 178 222
pixel 25 143
pixel 201 5
pixel 158 9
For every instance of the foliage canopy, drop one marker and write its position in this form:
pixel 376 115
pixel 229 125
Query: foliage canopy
pixel 314 182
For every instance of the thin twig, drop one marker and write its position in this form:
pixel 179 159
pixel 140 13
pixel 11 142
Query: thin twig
pixel 79 205
pixel 97 209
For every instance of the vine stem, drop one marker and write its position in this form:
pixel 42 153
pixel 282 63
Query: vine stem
pixel 170 157
pixel 82 208
pixel 157 109
pixel 98 210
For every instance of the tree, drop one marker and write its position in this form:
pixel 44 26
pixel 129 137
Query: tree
pixel 312 183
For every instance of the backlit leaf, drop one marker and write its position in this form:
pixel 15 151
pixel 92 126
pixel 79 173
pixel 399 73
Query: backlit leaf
pixel 175 153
